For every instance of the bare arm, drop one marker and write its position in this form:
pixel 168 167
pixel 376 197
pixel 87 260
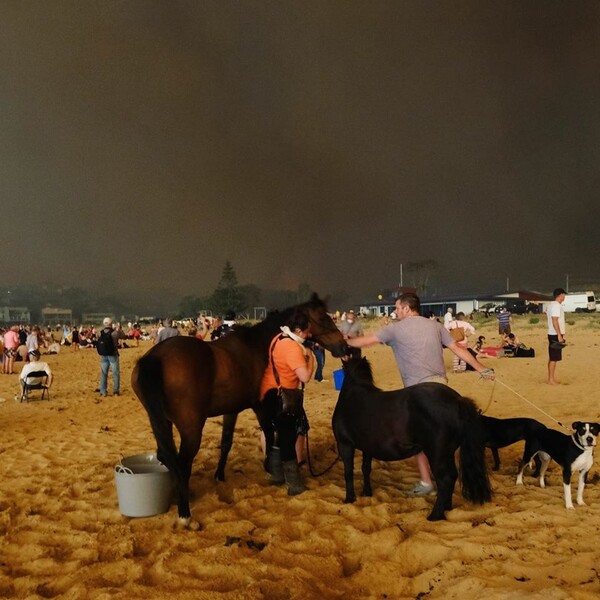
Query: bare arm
pixel 363 341
pixel 465 355
pixel 556 325
pixel 305 373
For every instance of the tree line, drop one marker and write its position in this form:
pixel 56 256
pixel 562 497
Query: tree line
pixel 108 297
pixel 242 299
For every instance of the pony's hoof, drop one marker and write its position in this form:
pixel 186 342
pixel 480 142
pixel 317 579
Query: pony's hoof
pixel 187 523
pixel 433 517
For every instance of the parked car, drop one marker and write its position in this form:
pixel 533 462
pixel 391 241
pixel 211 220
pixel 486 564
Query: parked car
pixel 490 307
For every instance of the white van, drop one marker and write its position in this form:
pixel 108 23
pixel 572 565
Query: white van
pixel 580 302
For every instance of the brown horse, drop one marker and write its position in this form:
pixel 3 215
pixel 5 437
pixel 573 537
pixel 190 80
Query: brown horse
pixel 183 381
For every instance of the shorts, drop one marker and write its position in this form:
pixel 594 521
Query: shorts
pixel 554 354
pixel 10 352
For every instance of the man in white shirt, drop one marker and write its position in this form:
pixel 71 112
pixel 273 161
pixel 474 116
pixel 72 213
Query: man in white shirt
pixel 448 318
pixel 35 364
pixel 556 332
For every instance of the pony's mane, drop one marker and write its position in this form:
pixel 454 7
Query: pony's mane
pixel 359 369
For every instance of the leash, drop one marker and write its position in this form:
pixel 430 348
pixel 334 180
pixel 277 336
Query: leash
pixel 532 404
pixel 482 412
pixel 310 465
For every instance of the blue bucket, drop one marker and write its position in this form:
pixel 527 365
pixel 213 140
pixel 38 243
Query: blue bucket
pixel 338 379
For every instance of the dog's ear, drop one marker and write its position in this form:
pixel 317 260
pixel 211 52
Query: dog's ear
pixel 576 424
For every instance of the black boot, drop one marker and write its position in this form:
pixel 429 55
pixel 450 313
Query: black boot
pixel 292 478
pixel 274 466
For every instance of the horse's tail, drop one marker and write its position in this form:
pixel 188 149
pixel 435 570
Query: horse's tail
pixel 152 395
pixel 473 471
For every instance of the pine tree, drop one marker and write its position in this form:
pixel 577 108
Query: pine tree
pixel 228 296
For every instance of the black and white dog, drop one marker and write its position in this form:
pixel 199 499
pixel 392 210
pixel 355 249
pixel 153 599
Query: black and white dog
pixel 500 433
pixel 572 453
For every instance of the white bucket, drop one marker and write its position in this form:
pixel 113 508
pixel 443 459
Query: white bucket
pixel 144 486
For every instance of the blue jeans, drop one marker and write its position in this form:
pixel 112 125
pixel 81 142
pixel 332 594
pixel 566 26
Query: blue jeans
pixel 320 360
pixel 106 363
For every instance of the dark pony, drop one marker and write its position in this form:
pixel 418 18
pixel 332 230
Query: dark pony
pixel 182 381
pixel 428 417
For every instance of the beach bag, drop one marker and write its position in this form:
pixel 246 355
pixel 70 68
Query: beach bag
pixel 457 333
pixel 105 346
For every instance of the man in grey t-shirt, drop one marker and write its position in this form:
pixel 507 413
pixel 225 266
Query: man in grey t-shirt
pixel 351 328
pixel 418 345
pixel 168 331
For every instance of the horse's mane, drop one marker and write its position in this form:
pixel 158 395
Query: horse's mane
pixel 274 319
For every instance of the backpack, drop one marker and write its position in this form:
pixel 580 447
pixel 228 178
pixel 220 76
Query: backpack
pixel 105 344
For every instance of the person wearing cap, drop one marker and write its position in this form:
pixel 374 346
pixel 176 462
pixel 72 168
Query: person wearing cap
pixel 111 361
pixel 35 364
pixel 351 328
pixel 556 332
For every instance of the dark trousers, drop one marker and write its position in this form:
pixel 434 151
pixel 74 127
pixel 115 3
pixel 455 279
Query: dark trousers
pixel 320 360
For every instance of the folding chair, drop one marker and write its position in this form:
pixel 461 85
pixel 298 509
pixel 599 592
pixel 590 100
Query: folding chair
pixel 36 380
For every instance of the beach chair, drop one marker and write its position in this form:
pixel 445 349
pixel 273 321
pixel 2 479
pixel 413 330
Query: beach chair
pixel 36 380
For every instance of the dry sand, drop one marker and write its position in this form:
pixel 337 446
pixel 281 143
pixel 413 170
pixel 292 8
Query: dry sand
pixel 63 536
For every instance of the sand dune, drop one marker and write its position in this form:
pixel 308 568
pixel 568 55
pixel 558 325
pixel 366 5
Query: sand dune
pixel 63 536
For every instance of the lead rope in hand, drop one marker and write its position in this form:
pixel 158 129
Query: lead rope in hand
pixel 310 466
pixel 482 412
pixel 534 406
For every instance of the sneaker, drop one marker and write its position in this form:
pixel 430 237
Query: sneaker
pixel 116 394
pixel 421 489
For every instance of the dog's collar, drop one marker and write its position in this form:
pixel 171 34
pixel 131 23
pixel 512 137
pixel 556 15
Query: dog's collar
pixel 584 448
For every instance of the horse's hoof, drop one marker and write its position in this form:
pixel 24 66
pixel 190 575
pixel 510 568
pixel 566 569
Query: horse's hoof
pixel 187 523
pixel 350 500
pixel 219 475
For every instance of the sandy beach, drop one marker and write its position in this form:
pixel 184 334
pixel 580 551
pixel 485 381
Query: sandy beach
pixel 62 535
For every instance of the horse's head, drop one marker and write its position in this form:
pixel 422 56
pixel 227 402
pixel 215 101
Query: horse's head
pixel 323 329
pixel 358 369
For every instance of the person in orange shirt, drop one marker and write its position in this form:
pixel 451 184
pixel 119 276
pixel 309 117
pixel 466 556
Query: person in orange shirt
pixel 291 365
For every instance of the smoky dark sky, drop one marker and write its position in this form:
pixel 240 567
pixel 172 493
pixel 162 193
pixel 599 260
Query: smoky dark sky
pixel 148 142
